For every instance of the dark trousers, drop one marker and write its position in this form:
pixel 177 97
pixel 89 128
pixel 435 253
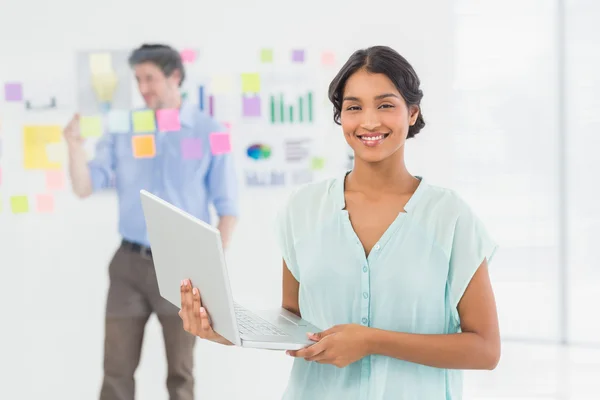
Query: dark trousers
pixel 132 297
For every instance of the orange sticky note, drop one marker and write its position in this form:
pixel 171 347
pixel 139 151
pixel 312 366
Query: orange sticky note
pixel 144 146
pixel 55 180
pixel 45 203
pixel 220 143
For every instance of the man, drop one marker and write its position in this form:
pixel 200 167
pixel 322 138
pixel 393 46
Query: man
pixel 190 183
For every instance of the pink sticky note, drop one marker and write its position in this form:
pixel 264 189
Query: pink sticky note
pixel 220 143
pixel 168 120
pixel 191 148
pixel 327 58
pixel 55 180
pixel 188 55
pixel 45 203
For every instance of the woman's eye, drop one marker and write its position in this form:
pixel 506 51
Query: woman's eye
pixel 387 106
pixel 352 108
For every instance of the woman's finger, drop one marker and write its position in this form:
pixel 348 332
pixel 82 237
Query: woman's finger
pixel 206 328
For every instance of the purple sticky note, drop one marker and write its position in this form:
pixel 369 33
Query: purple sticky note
pixel 298 56
pixel 191 148
pixel 251 106
pixel 168 120
pixel 13 92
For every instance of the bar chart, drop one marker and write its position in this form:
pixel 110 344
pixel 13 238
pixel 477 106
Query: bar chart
pixel 300 111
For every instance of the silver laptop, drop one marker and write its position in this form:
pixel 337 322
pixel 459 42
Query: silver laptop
pixel 185 247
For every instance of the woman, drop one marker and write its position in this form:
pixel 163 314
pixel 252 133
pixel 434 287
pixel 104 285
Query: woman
pixel 396 268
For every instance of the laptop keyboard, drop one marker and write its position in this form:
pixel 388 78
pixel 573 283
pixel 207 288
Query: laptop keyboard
pixel 251 324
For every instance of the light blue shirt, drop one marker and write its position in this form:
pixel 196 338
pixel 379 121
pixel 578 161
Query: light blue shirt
pixel 411 282
pixel 190 184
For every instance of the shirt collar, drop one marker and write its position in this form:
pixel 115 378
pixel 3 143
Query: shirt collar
pixel 409 207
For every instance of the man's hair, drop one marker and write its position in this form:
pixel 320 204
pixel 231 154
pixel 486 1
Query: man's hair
pixel 164 57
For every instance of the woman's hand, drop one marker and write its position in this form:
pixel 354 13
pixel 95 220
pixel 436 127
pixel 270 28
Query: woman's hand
pixel 340 346
pixel 195 317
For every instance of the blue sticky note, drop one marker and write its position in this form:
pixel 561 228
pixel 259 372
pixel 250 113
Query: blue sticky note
pixel 119 121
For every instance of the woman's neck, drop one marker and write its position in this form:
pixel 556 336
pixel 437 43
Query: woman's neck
pixel 389 175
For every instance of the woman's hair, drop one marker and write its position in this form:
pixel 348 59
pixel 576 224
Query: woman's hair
pixel 380 60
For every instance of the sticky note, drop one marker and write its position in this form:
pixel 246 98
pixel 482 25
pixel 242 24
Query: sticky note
pixel 19 204
pixel 143 121
pixel 13 91
pixel 44 203
pixel 56 152
pixel 100 63
pixel 104 86
pixel 220 143
pixel 188 55
pixel 266 56
pixel 251 106
pixel 221 84
pixel 143 146
pixel 327 58
pixel 250 83
pixel 55 180
pixel 90 126
pixel 168 120
pixel 191 148
pixel 36 138
pixel 119 121
pixel 298 56
pixel 317 163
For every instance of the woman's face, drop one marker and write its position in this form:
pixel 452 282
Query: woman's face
pixel 374 116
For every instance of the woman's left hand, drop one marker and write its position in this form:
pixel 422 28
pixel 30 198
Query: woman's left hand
pixel 340 345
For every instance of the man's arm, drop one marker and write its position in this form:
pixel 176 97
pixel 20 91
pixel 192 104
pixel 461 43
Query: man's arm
pixel 86 177
pixel 222 190
pixel 476 347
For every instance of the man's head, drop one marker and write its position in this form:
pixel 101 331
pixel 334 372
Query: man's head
pixel 159 73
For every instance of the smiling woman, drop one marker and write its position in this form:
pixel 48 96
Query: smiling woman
pixel 393 268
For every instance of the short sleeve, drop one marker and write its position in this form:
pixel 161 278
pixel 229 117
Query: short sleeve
pixel 471 244
pixel 285 239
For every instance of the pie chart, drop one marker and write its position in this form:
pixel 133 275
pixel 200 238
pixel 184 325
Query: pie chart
pixel 259 151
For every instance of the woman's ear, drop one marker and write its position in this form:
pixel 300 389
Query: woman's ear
pixel 414 114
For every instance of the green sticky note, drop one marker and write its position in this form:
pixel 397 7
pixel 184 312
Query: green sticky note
pixel 143 121
pixel 19 204
pixel 90 126
pixel 317 163
pixel 250 83
pixel 266 55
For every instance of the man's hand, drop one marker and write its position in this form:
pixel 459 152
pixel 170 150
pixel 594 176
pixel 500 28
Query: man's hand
pixel 340 346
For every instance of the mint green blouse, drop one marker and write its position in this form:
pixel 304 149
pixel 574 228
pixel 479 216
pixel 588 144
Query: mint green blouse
pixel 411 282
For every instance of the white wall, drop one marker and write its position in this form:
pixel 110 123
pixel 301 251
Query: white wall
pixel 54 267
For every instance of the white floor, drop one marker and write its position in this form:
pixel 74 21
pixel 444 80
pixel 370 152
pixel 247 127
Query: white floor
pixel 538 372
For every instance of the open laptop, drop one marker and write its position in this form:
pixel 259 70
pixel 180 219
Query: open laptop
pixel 185 247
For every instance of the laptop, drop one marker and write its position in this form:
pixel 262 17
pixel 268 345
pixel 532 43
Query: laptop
pixel 185 247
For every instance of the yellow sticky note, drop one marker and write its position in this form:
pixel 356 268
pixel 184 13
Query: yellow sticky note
pixel 100 63
pixel 91 126
pixel 266 55
pixel 144 146
pixel 317 163
pixel 221 84
pixel 143 121
pixel 250 83
pixel 104 85
pixel 36 138
pixel 19 204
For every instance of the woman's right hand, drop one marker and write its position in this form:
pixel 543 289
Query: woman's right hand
pixel 195 317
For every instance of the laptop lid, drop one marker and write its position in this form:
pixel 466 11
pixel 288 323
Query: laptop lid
pixel 186 247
